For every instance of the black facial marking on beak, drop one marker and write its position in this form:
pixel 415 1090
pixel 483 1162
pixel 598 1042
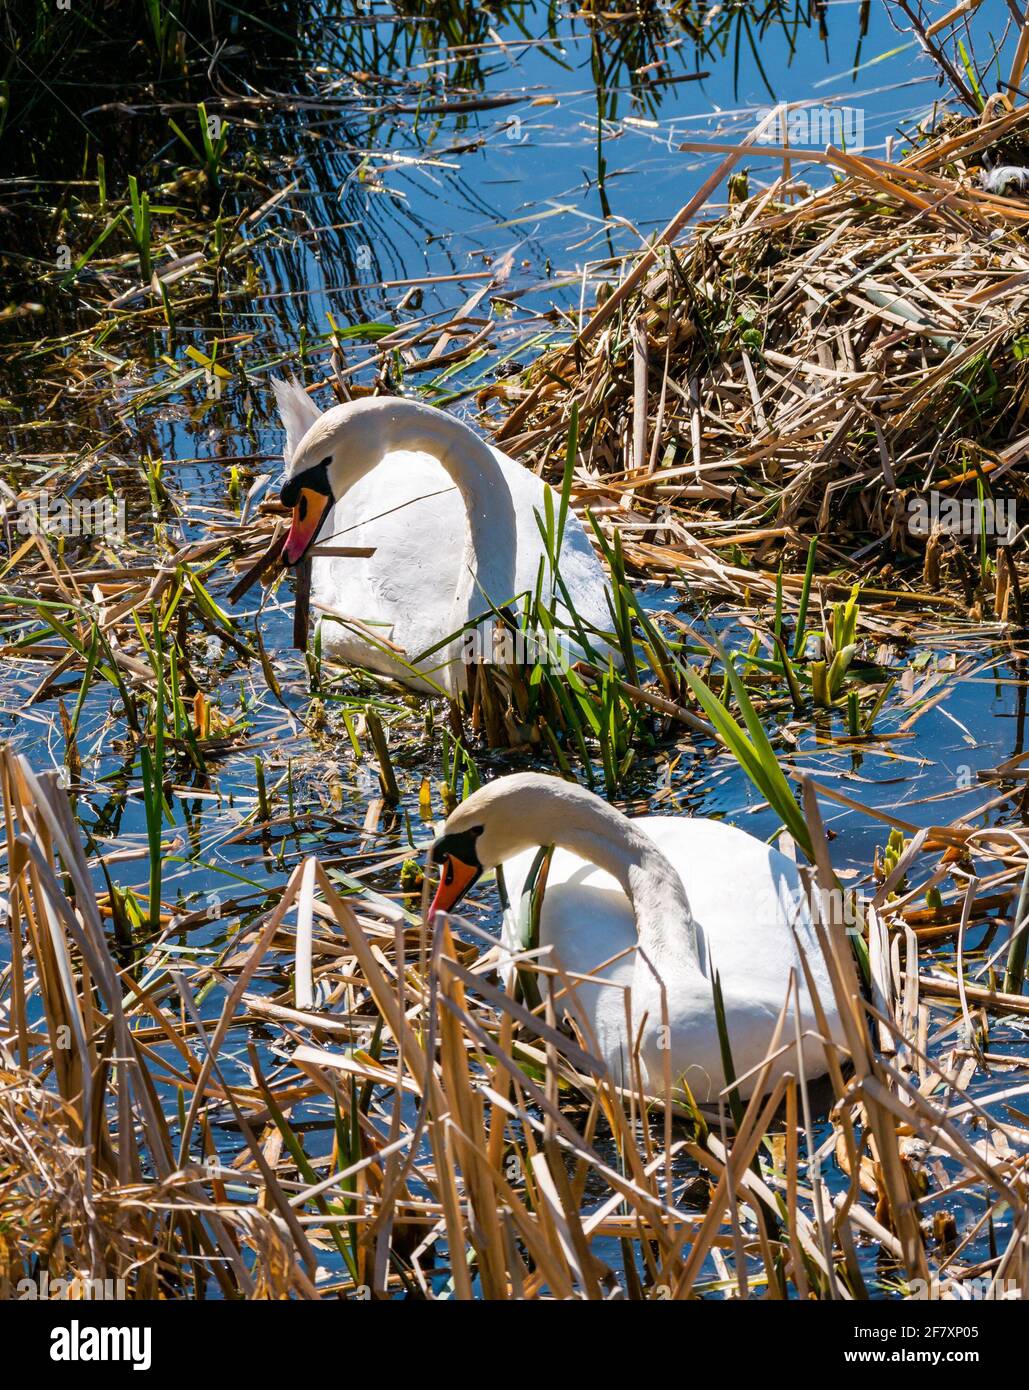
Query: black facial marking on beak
pixel 315 479
pixel 310 496
pixel 460 844
pixel 457 857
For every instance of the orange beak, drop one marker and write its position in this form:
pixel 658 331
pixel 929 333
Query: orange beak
pixel 308 514
pixel 455 880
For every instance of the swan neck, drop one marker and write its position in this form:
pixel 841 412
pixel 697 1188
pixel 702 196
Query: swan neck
pixel 473 468
pixel 665 926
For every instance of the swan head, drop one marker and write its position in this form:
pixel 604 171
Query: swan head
pixel 326 453
pixel 499 821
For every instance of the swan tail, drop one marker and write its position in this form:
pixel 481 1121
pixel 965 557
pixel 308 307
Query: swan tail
pixel 296 411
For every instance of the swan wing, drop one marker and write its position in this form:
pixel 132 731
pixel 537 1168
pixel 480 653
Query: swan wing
pixel 752 923
pixel 408 509
pixel 410 513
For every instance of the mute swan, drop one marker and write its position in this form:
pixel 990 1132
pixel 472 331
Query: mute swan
pixel 452 523
pixel 696 895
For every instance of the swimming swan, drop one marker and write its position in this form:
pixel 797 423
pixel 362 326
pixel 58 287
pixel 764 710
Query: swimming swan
pixel 451 519
pixel 695 895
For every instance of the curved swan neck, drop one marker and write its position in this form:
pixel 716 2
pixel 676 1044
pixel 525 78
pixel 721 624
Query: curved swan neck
pixel 467 458
pixel 488 568
pixel 354 438
pixel 664 920
pixel 527 809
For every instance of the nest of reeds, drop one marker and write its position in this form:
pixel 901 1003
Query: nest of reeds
pixel 807 361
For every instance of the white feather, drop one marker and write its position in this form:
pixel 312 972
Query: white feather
pixel 655 906
pixel 450 523
pixel 297 412
pixel 1005 177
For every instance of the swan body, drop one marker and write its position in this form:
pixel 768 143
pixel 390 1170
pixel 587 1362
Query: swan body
pixel 675 899
pixel 452 524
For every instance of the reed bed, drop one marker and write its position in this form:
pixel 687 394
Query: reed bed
pixel 476 1148
pixel 806 362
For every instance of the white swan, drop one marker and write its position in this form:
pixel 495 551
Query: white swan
pixel 452 522
pixel 694 895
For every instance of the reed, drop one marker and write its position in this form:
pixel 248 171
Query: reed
pixel 775 319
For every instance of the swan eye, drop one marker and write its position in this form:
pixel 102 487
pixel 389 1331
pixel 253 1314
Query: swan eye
pixel 313 479
pixel 459 847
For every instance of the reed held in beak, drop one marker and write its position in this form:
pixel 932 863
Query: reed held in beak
pixel 310 496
